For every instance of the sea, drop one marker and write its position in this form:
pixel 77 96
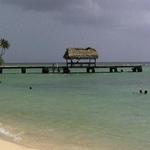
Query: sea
pixel 76 111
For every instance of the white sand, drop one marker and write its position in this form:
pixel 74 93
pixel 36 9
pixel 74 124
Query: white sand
pixel 4 145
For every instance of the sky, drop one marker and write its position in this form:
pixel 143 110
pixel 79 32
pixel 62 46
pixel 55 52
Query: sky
pixel 41 30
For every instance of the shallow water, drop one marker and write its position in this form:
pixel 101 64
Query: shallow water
pixel 76 111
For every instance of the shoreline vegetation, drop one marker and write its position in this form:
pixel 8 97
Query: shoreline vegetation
pixel 4 44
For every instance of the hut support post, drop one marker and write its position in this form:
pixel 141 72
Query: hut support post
pixel 71 62
pixel 89 63
pixel 67 62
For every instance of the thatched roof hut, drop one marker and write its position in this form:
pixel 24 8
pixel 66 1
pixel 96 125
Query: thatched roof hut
pixel 80 53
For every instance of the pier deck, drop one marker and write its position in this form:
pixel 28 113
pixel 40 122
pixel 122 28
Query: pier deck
pixel 54 68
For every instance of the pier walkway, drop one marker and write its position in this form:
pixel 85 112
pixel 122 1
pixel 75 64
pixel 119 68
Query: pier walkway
pixel 55 68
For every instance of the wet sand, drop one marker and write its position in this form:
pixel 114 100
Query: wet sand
pixel 4 145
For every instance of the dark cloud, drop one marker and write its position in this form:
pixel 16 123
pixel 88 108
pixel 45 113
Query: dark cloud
pixel 70 11
pixel 40 5
pixel 105 13
pixel 47 5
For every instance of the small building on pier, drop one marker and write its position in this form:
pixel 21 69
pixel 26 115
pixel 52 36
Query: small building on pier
pixel 80 57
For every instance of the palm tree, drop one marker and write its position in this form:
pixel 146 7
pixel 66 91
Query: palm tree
pixel 4 44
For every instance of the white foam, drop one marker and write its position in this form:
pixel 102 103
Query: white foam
pixel 7 133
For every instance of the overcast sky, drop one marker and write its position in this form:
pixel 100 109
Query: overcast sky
pixel 41 30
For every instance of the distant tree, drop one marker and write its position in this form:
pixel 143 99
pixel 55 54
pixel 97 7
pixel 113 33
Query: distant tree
pixel 4 44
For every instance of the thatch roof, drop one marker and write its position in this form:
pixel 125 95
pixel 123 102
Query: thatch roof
pixel 80 53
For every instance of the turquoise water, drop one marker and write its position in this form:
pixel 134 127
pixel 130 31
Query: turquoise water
pixel 76 111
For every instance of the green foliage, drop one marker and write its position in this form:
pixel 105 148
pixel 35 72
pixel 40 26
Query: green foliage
pixel 4 44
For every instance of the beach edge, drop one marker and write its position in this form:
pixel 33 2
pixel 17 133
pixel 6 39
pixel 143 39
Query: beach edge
pixel 6 145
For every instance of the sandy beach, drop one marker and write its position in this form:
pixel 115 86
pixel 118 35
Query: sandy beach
pixel 4 145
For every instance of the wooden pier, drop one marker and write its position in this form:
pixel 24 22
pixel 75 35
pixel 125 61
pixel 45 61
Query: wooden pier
pixel 54 68
pixel 76 59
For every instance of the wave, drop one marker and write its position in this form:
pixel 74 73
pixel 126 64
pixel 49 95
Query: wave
pixel 6 133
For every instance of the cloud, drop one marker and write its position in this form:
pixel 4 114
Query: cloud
pixel 38 5
pixel 68 11
pixel 102 13
pixel 49 5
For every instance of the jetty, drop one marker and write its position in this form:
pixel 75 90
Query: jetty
pixel 62 68
pixel 76 59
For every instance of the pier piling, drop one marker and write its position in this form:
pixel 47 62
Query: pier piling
pixel 23 70
pixel 66 70
pixel 45 70
pixel 137 69
pixel 90 69
pixel 1 70
pixel 113 69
